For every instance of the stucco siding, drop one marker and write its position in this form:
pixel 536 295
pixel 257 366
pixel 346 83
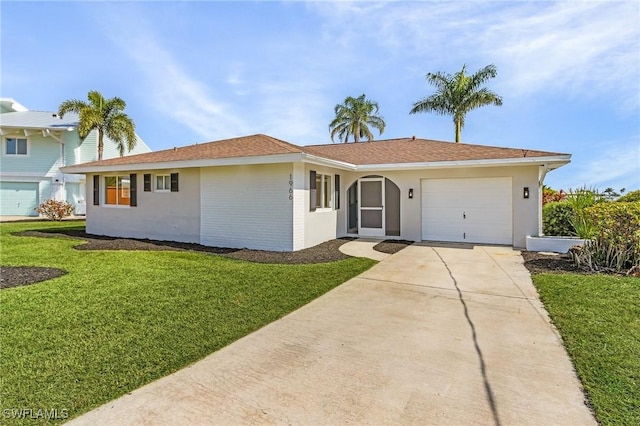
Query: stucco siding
pixel 170 216
pixel 525 211
pixel 247 206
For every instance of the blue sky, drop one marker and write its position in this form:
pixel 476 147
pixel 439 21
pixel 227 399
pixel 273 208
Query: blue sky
pixel 569 72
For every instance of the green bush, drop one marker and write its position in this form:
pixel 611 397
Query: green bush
pixel 556 219
pixel 616 244
pixel 630 196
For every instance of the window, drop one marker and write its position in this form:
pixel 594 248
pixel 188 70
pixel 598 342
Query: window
pixel 15 146
pixel 163 183
pixel 117 190
pixel 323 191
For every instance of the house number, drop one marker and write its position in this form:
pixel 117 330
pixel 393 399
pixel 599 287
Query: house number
pixel 290 187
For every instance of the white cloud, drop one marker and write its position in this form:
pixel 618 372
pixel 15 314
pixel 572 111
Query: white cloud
pixel 580 49
pixel 171 89
pixel 585 49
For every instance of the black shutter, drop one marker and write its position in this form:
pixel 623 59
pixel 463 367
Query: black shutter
pixel 133 190
pixel 312 190
pixel 337 191
pixel 174 182
pixel 96 190
pixel 147 182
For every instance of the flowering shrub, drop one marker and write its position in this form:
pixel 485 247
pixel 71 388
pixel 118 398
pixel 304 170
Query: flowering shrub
pixel 55 210
pixel 551 195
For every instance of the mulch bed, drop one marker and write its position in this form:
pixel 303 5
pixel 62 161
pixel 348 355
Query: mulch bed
pixel 538 263
pixel 325 252
pixel 392 246
pixel 16 276
pixel 24 275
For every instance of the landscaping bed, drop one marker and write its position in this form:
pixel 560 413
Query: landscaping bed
pixel 15 276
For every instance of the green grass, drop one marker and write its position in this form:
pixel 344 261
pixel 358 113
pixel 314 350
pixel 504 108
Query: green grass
pixel 121 319
pixel 598 317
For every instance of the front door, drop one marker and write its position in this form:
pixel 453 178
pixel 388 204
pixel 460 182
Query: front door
pixel 371 212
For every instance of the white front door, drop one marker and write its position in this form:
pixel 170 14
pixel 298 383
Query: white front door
pixel 371 208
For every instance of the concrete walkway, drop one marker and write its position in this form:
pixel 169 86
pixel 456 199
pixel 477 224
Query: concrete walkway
pixel 430 335
pixel 363 247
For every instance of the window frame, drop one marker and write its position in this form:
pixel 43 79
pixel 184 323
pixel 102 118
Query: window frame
pixel 166 181
pixel 120 191
pixel 5 146
pixel 323 192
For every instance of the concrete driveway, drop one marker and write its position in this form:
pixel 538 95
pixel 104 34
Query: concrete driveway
pixel 430 335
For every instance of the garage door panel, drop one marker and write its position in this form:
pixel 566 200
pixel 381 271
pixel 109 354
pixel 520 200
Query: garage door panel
pixel 18 198
pixel 477 210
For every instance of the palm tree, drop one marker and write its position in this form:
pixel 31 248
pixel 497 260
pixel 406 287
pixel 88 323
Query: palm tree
pixel 104 115
pixel 458 94
pixel 353 117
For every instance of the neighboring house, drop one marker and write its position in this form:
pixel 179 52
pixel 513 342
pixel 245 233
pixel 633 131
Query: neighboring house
pixel 263 193
pixel 35 145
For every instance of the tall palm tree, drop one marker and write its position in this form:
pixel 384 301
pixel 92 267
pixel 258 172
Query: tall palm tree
pixel 458 94
pixel 353 117
pixel 104 115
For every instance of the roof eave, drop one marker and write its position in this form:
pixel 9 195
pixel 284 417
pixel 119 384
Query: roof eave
pixel 185 164
pixel 58 128
pixel 322 161
pixel 557 161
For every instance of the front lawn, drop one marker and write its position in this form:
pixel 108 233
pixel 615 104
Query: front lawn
pixel 121 319
pixel 598 317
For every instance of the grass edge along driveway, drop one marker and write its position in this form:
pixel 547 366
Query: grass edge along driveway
pixel 121 319
pixel 598 317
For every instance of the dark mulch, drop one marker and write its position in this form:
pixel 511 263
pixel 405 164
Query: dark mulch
pixel 538 263
pixel 325 252
pixel 16 276
pixel 392 246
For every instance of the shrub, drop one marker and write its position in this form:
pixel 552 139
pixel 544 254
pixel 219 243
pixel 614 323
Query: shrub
pixel 55 210
pixel 580 200
pixel 630 197
pixel 556 219
pixel 616 244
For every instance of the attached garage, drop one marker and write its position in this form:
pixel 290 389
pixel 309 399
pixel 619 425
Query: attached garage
pixel 18 198
pixel 472 210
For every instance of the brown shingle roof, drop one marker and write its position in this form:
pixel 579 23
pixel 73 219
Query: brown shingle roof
pixel 390 151
pixel 410 150
pixel 246 146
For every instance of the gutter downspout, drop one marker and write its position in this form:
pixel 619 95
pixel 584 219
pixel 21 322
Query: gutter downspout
pixel 542 173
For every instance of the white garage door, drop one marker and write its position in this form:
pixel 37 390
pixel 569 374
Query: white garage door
pixel 18 198
pixel 477 210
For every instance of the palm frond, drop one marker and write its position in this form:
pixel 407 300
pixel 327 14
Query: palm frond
pixel 458 94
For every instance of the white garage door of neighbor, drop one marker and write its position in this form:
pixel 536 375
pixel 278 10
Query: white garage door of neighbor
pixel 477 210
pixel 18 198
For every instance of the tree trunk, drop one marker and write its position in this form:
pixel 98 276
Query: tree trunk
pixel 458 130
pixel 100 145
